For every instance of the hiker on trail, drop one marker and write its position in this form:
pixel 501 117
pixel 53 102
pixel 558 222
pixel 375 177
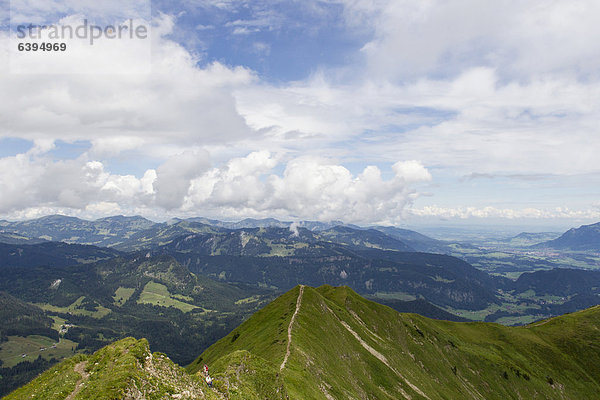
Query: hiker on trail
pixel 205 369
pixel 208 380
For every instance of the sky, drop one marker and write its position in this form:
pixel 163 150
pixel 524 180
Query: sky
pixel 407 113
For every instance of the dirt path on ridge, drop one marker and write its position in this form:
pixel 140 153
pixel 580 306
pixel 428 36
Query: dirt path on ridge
pixel 79 368
pixel 289 343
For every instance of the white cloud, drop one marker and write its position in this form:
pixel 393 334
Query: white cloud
pixel 174 176
pixel 503 213
pixel 29 181
pixel 309 187
pixel 38 12
pixel 466 87
pixel 442 38
pixel 179 104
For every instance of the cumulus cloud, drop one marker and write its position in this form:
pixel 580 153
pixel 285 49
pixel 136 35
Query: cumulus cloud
pixel 309 187
pixel 174 176
pixel 29 181
pixel 471 89
pixel 472 123
pixel 177 106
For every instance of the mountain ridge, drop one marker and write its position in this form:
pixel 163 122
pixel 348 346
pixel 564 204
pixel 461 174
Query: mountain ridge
pixel 408 356
pixel 584 238
pixel 330 343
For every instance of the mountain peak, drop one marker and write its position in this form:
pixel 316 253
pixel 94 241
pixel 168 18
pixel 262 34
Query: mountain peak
pixel 584 238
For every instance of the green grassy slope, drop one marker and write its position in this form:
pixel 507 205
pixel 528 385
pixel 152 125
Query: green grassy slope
pixel 330 343
pixel 344 346
pixel 125 369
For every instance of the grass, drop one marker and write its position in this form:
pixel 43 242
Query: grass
pixel 344 346
pixel 58 322
pixel 11 351
pixel 247 377
pixel 444 360
pixel 122 294
pixel 124 369
pixel 76 309
pixel 518 320
pixel 182 297
pixel 395 296
pixel 56 383
pixel 157 294
pixel 248 300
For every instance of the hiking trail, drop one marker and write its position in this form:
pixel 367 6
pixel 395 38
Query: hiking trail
pixel 289 343
pixel 80 369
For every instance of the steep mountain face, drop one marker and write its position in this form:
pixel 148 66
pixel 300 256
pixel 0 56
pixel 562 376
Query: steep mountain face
pixel 271 241
pixel 162 234
pixel 584 238
pixel 51 254
pixel 103 232
pixel 329 343
pixel 22 319
pixel 415 240
pixel 443 280
pixel 264 242
pixel 368 238
pixel 560 282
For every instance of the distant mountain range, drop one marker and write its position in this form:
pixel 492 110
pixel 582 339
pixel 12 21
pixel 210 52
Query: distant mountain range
pixel 134 233
pixel 104 232
pixel 52 254
pixel 584 238
pixel 330 343
pixel 526 239
pixel 373 261
pixel 131 233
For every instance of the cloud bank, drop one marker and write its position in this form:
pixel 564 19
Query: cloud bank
pixel 309 187
pixel 465 88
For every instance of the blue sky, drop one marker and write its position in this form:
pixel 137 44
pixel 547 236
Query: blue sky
pixel 378 111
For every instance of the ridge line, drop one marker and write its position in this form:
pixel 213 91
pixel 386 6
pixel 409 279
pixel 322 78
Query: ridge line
pixel 298 303
pixel 376 354
pixel 80 369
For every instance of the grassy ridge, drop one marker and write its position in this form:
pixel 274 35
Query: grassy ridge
pixel 344 346
pixel 124 369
